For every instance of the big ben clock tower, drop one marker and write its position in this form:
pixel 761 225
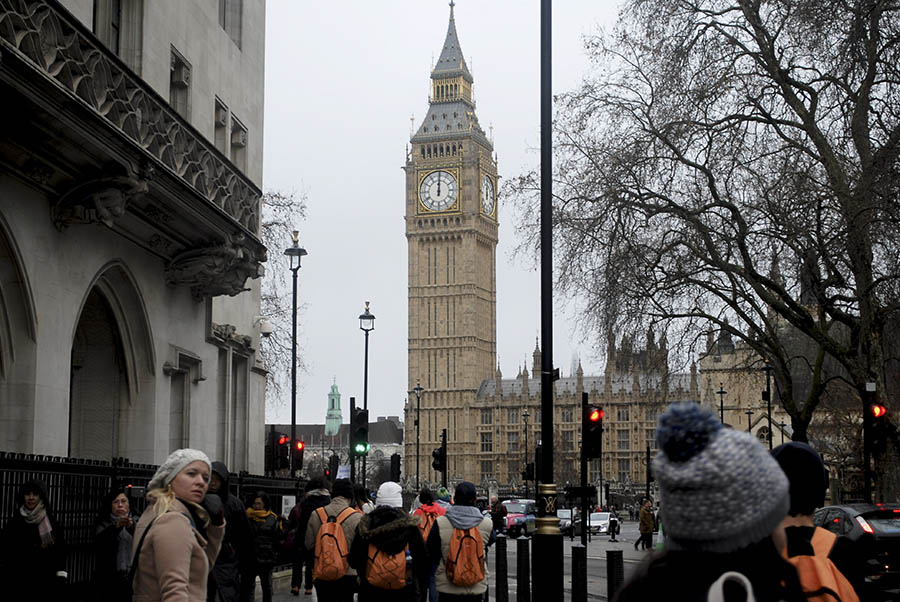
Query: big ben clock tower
pixel 451 230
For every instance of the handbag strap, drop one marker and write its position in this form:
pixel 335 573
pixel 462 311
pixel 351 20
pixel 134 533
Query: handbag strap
pixel 137 553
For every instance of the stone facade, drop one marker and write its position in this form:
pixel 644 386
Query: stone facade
pixel 129 229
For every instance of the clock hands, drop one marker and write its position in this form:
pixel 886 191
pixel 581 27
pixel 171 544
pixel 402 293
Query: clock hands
pixel 439 184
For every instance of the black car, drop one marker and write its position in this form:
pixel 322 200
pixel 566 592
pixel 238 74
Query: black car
pixel 876 529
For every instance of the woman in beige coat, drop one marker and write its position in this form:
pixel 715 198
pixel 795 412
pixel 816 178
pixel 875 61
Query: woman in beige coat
pixel 177 539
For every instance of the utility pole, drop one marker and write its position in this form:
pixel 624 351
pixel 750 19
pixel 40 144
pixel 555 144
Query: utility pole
pixel 721 393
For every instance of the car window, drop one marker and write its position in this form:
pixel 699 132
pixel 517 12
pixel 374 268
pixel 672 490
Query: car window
pixel 514 508
pixel 832 521
pixel 846 523
pixel 564 513
pixel 819 517
pixel 885 525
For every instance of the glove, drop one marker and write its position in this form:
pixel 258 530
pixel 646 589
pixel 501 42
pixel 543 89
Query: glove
pixel 212 503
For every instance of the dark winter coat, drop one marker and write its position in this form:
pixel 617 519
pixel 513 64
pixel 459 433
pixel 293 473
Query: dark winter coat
pixel 299 518
pixel 29 571
pixel 267 535
pixel 390 530
pixel 110 583
pixel 236 554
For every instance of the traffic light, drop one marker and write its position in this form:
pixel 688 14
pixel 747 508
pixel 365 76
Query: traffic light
pixel 439 463
pixel 359 434
pixel 299 446
pixel 528 475
pixel 878 426
pixel 592 438
pixel 283 451
pixel 395 467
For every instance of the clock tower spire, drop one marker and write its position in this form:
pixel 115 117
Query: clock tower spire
pixel 452 231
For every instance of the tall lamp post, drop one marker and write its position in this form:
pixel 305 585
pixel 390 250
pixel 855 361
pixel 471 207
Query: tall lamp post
pixel 749 412
pixel 367 325
pixel 721 393
pixel 525 416
pixel 418 391
pixel 295 252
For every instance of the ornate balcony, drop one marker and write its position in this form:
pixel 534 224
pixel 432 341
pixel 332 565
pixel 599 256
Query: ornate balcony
pixel 106 148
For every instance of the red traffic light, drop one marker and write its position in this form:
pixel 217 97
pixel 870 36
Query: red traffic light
pixel 878 410
pixel 596 415
pixel 300 445
pixel 283 439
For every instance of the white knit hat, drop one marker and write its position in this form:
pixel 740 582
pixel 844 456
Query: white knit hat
pixel 174 464
pixel 389 495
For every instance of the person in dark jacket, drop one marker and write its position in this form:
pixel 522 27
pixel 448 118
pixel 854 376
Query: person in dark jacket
pixel 32 552
pixel 236 554
pixel 316 495
pixel 389 530
pixel 267 535
pixel 113 539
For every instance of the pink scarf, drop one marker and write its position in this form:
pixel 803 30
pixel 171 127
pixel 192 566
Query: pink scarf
pixel 39 516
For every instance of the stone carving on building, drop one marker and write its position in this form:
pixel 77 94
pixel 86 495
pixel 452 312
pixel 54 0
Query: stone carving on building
pixel 53 43
pixel 103 199
pixel 220 269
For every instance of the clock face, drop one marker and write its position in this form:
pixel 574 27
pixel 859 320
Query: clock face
pixel 487 195
pixel 438 191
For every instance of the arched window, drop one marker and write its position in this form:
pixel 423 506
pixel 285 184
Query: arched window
pixel 423 152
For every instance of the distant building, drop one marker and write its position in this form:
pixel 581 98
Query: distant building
pixel 130 254
pixel 333 418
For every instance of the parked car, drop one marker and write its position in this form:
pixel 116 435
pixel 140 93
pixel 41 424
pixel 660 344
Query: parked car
pixel 519 517
pixel 876 529
pixel 598 523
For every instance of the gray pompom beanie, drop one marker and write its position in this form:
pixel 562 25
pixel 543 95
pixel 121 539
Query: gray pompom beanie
pixel 174 464
pixel 720 488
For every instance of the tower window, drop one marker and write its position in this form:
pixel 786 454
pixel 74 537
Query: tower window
pixel 423 152
pixel 180 84
pixel 230 15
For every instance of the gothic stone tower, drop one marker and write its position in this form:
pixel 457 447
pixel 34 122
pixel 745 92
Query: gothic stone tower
pixel 451 230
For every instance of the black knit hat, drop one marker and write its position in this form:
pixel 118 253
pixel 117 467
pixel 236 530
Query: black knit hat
pixel 807 476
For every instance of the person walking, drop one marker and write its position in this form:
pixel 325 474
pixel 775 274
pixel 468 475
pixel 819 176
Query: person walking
pixel 428 512
pixel 498 515
pixel 316 494
pixel 333 577
pixel 179 535
pixel 236 553
pixel 457 545
pixel 646 524
pixel 723 499
pixel 822 559
pixel 113 540
pixel 32 549
pixel 267 532
pixel 388 552
pixel 443 498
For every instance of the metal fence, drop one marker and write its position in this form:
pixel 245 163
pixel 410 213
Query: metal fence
pixel 76 489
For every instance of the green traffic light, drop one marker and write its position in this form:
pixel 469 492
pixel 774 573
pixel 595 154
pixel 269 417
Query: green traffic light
pixel 361 448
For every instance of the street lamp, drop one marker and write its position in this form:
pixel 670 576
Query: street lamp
pixel 782 424
pixel 367 325
pixel 418 391
pixel 525 416
pixel 749 412
pixel 721 393
pixel 295 252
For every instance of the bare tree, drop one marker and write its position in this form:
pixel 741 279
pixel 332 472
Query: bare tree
pixel 732 165
pixel 282 213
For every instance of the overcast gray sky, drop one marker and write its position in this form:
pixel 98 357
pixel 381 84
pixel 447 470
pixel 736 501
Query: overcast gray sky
pixel 342 81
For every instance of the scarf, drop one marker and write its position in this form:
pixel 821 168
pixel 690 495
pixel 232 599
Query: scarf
pixel 259 516
pixel 123 553
pixel 38 516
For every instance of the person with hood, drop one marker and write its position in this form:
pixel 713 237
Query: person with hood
pixel 723 499
pixel 177 539
pixel 821 557
pixel 461 516
pixel 385 532
pixel 267 532
pixel 32 552
pixel 113 540
pixel 428 512
pixel 342 589
pixel 316 495
pixel 236 554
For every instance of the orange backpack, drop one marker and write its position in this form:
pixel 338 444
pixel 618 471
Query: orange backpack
pixel 331 546
pixel 387 571
pixel 820 579
pixel 465 561
pixel 427 522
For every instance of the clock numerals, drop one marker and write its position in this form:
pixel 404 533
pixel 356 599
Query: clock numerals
pixel 438 191
pixel 488 199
